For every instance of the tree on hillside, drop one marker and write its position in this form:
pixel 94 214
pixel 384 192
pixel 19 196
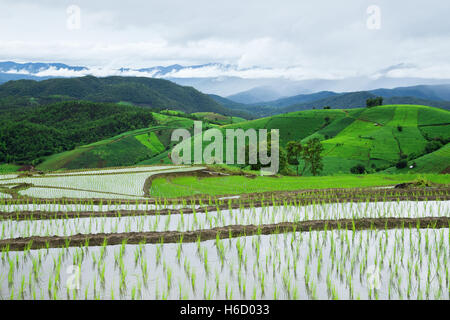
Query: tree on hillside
pixel 401 164
pixel 294 151
pixel 373 102
pixel 2 152
pixel 266 148
pixel 358 169
pixel 432 146
pixel 311 154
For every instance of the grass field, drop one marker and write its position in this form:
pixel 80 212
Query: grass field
pixel 437 161
pixel 186 186
pixel 5 168
pixel 379 136
pixel 218 118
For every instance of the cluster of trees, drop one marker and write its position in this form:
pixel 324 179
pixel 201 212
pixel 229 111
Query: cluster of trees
pixel 267 149
pixel 373 102
pixel 310 153
pixel 27 135
pixel 358 169
pixel 434 145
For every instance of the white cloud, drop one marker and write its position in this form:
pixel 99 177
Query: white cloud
pixel 290 39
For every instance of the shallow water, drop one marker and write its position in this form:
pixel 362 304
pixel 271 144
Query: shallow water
pixel 196 221
pixel 127 184
pixel 120 170
pixel 391 264
pixel 4 196
pixel 50 207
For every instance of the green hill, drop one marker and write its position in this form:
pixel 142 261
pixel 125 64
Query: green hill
pixel 380 137
pixel 377 138
pixel 155 93
pixel 148 145
pixel 126 149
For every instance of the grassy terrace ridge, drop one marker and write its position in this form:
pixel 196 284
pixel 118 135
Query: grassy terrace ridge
pixel 8 168
pixel 172 187
pixel 185 206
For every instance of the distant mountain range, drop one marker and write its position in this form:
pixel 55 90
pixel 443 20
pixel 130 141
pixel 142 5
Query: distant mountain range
pixel 163 94
pixel 34 67
pixel 426 92
pixel 255 95
pixel 431 95
pixel 244 85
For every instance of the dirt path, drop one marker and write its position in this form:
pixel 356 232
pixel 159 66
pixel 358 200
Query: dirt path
pixel 221 232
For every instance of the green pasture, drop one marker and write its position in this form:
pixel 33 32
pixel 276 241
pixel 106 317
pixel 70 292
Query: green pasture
pixel 191 185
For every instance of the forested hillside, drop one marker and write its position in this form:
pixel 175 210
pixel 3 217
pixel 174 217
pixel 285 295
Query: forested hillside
pixel 155 93
pixel 28 134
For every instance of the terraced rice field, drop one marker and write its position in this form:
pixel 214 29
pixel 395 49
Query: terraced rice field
pixel 379 243
pixel 107 184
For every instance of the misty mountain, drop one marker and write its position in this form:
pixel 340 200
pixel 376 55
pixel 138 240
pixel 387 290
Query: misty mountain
pixel 301 98
pixel 164 72
pixel 428 92
pixel 418 101
pixel 255 95
pixel 227 102
pixel 342 101
pixel 260 97
pixel 432 95
pixel 35 67
pixel 241 85
pixel 288 88
pixel 357 100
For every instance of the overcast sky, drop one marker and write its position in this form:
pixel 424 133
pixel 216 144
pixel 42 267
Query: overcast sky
pixel 308 39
